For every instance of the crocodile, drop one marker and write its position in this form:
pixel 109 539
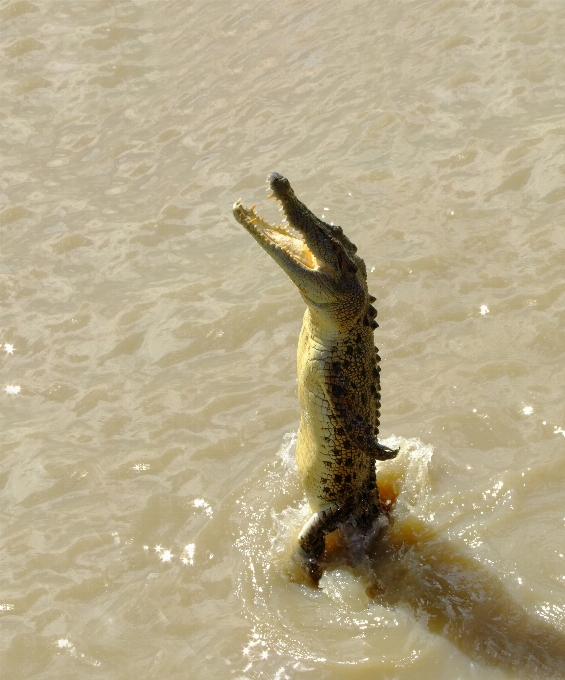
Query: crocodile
pixel 338 370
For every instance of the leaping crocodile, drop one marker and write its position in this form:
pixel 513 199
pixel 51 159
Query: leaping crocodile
pixel 338 369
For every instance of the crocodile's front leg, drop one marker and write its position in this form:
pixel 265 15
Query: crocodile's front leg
pixel 337 390
pixel 382 452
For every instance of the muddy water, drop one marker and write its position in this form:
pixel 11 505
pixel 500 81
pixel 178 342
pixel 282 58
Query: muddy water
pixel 149 401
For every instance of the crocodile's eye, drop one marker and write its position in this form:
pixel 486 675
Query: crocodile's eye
pixel 344 262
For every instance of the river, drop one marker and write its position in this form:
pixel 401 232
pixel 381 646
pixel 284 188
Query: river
pixel 149 500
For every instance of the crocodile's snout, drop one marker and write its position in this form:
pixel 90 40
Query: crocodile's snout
pixel 280 186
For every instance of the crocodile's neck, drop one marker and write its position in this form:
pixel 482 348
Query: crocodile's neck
pixel 325 334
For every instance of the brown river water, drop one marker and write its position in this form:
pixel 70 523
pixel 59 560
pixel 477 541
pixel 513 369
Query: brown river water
pixel 148 407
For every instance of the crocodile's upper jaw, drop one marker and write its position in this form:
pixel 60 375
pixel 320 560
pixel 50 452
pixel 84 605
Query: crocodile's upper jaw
pixel 317 256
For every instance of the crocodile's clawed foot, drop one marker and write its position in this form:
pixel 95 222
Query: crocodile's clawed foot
pixel 385 453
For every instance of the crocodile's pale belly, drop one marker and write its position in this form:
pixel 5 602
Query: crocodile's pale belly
pixel 326 472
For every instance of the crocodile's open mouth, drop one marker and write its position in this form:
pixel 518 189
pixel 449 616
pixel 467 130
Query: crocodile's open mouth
pixel 281 237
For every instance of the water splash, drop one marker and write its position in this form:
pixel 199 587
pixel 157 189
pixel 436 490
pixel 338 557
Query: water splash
pixel 384 598
pixel 287 617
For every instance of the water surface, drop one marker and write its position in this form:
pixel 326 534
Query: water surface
pixel 148 345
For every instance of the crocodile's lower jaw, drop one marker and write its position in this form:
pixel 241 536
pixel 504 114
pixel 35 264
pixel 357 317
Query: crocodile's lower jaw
pixel 279 237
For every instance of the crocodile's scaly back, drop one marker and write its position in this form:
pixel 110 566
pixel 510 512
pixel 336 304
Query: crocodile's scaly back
pixel 338 367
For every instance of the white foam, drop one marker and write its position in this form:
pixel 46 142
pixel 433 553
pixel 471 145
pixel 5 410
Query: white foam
pixel 287 450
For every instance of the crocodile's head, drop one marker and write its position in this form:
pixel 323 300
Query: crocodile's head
pixel 318 257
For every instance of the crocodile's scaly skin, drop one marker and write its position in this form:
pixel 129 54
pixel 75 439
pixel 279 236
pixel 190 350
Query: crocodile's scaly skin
pixel 338 367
